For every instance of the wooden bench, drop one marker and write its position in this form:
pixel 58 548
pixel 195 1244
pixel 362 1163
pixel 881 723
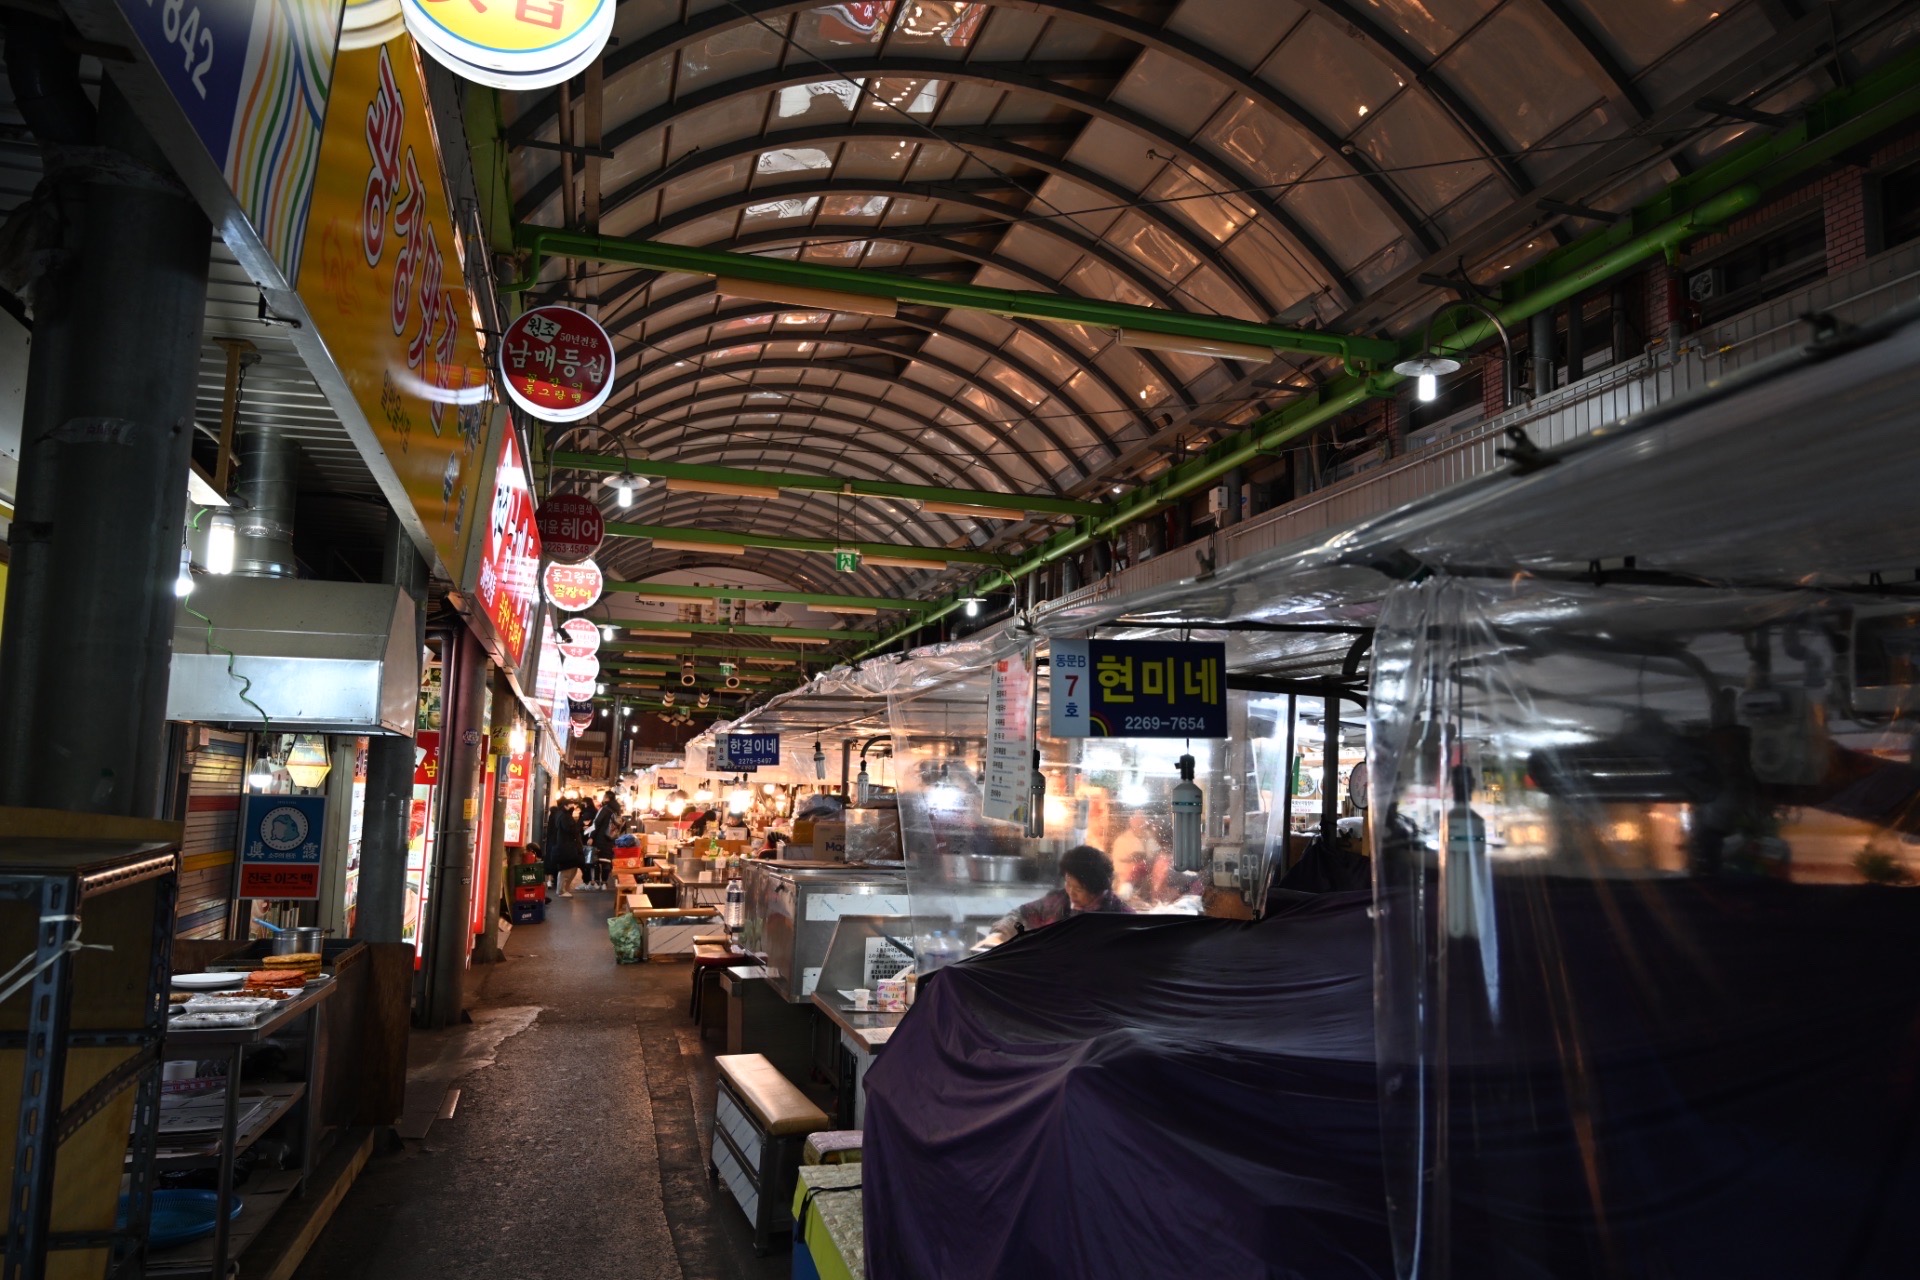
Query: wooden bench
pixel 760 1122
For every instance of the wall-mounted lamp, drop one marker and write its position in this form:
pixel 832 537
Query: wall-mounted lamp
pixel 1427 369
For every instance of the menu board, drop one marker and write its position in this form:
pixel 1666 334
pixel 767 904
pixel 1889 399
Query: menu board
pixel 1008 786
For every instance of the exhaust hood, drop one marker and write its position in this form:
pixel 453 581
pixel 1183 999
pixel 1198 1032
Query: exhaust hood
pixel 323 657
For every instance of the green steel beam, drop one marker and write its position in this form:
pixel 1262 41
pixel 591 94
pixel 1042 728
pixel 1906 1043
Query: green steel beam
pixel 681 649
pixel 682 591
pixel 1711 197
pixel 1040 505
pixel 823 546
pixel 541 243
pixel 776 634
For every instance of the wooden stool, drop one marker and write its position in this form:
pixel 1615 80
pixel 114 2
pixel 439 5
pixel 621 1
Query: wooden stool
pixel 760 1121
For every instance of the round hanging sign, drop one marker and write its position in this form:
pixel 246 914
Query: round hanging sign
pixel 526 41
pixel 557 363
pixel 578 638
pixel 582 689
pixel 571 527
pixel 578 669
pixel 573 587
pixel 524 80
pixel 579 714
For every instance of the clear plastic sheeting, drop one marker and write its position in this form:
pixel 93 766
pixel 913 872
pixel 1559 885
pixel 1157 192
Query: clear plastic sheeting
pixel 1646 979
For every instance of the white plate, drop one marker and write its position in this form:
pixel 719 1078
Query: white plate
pixel 208 981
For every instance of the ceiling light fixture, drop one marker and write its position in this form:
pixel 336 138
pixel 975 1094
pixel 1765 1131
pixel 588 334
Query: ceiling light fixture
pixel 220 542
pixel 1428 369
pixel 1209 347
pixel 904 562
pixel 183 581
pixel 969 509
pixel 803 296
pixel 844 608
pixel 722 488
pixel 717 548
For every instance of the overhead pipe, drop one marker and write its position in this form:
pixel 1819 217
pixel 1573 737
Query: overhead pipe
pixel 268 483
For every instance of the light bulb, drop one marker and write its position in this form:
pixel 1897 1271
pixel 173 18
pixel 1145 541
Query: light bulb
pixel 517 739
pixel 220 538
pixel 183 584
pixel 973 608
pixel 600 689
pixel 1429 387
pixel 608 633
pixel 623 493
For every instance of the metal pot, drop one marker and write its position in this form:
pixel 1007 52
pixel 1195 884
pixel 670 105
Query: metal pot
pixel 952 867
pixel 996 869
pixel 300 940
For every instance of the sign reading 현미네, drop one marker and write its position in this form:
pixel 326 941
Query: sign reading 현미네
pixel 1138 689
pixel 280 846
pixel 383 280
pixel 510 560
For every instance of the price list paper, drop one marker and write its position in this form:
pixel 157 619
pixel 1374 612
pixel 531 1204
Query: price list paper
pixel 1009 781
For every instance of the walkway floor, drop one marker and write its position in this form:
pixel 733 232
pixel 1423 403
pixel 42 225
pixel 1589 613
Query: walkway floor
pixel 577 1149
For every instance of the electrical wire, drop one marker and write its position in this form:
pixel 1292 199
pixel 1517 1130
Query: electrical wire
pixel 246 684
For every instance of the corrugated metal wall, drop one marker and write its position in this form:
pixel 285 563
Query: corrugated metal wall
pixel 216 777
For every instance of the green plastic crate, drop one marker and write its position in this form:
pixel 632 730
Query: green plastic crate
pixel 528 873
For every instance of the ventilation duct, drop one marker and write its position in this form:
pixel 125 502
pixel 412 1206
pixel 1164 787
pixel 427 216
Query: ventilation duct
pixel 267 484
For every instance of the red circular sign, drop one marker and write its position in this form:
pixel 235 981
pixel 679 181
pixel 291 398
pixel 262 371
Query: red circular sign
pixel 579 638
pixel 573 587
pixel 571 527
pixel 557 363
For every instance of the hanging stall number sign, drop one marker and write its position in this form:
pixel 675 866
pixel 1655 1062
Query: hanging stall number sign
pixel 750 751
pixel 571 527
pixel 557 363
pixel 573 587
pixel 280 846
pixel 1138 689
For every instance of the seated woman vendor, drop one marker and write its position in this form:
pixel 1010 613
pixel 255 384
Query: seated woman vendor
pixel 1086 876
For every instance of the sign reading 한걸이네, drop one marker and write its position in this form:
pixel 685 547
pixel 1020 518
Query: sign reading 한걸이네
pixel 1138 689
pixel 280 838
pixel 382 278
pixel 749 751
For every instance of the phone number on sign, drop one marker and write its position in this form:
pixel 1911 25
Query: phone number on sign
pixel 1149 723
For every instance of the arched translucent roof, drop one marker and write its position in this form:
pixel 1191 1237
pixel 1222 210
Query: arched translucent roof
pixel 1301 163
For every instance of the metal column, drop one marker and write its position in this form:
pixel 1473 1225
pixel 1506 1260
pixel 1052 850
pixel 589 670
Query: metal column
pixel 1540 335
pixel 1330 769
pixel 462 745
pixel 106 436
pixel 382 905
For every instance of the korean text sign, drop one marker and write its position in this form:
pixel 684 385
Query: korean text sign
pixel 280 841
pixel 1138 689
pixel 509 587
pixel 750 751
pixel 382 277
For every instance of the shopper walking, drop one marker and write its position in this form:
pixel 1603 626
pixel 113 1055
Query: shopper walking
pixel 564 849
pixel 605 821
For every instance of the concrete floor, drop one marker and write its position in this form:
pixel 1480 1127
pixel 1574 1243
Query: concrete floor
pixel 577 1149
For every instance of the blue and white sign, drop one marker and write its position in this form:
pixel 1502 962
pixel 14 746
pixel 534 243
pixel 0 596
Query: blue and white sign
pixel 748 752
pixel 280 840
pixel 1137 689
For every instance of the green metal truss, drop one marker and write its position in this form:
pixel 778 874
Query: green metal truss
pixel 822 546
pixel 776 634
pixel 682 591
pixel 1703 201
pixel 613 466
pixel 737 656
pixel 541 243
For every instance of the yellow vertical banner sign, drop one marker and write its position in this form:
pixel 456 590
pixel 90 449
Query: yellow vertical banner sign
pixel 382 278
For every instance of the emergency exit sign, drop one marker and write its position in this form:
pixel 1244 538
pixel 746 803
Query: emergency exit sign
pixel 846 561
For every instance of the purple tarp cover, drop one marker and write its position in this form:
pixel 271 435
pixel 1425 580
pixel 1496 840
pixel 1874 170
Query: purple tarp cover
pixel 1136 1096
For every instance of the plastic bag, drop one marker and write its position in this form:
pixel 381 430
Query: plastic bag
pixel 626 935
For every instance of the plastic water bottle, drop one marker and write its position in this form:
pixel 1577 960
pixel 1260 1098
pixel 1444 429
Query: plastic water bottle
pixel 736 906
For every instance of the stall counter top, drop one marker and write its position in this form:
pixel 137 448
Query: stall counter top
pixel 870 1028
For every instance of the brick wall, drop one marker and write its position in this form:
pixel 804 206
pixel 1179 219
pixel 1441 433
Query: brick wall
pixel 1844 194
pixel 1493 384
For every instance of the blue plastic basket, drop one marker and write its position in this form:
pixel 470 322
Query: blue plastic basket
pixel 180 1217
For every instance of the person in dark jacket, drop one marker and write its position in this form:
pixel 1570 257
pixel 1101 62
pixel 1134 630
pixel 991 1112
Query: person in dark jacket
pixel 606 823
pixel 1086 884
pixel 565 854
